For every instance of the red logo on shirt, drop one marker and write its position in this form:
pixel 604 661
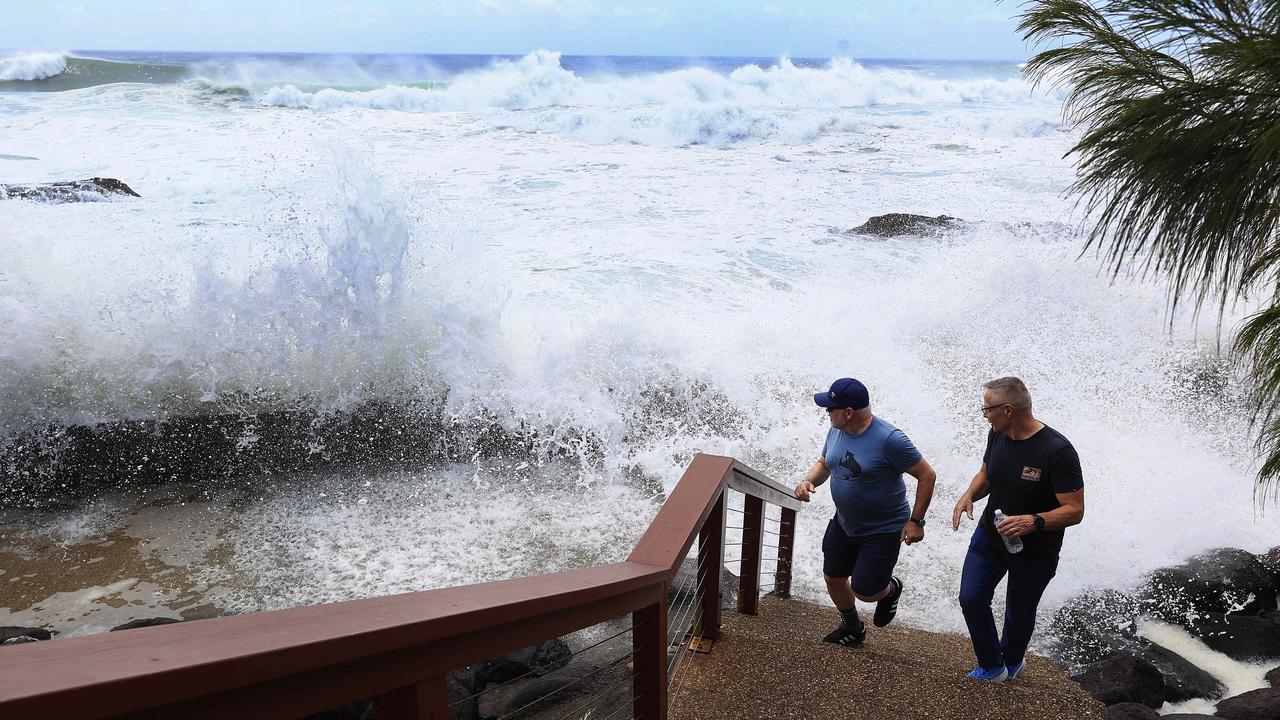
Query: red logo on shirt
pixel 1030 473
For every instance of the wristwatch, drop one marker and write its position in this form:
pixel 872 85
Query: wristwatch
pixel 918 522
pixel 1039 521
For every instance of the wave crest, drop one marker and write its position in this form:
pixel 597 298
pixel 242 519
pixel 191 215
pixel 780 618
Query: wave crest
pixel 32 65
pixel 538 80
pixel 682 107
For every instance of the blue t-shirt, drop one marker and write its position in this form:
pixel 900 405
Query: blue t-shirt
pixel 866 477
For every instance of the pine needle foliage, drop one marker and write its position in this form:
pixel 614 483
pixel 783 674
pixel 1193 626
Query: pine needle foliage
pixel 1179 159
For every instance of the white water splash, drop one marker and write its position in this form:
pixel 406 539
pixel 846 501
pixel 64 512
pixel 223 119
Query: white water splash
pixel 32 65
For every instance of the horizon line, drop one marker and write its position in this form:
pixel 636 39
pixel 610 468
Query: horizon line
pixel 689 56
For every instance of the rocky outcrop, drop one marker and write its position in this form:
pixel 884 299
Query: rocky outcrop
pixel 1261 704
pixel 14 635
pixel 1225 580
pixel 1242 637
pixel 1131 711
pixel 145 622
pixel 538 659
pixel 1226 597
pixel 1094 626
pixel 1098 625
pixel 1123 679
pixel 91 190
pixel 1182 679
pixel 897 224
pixel 539 693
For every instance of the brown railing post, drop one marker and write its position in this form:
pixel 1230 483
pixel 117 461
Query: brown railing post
pixel 427 700
pixel 752 539
pixel 786 541
pixel 649 658
pixel 710 571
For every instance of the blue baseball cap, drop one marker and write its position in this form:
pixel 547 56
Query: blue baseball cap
pixel 844 393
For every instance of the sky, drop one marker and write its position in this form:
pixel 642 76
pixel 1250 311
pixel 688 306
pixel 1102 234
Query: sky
pixel 925 29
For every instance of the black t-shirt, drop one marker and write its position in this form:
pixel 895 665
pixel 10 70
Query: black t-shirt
pixel 1024 477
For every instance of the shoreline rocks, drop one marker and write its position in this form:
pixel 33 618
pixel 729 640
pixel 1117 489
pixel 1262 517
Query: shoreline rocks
pixel 1260 704
pixel 94 189
pixel 1225 597
pixel 1224 580
pixel 1123 679
pixel 898 224
pixel 14 635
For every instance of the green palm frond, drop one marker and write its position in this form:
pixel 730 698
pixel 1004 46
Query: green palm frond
pixel 1179 160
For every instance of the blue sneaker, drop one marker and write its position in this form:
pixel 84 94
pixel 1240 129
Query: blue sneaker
pixel 1013 670
pixel 997 675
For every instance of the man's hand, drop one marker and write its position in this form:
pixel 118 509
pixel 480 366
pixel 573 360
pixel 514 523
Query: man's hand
pixel 912 533
pixel 1016 526
pixel 965 505
pixel 804 490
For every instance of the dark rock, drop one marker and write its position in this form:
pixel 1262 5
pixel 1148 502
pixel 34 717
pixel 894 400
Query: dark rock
pixel 1271 561
pixel 531 695
pixel 537 659
pixel 1273 677
pixel 1123 678
pixel 1261 704
pixel 1182 679
pixel 896 224
pixel 13 632
pixel 69 191
pixel 462 703
pixel 1241 637
pixel 1225 580
pixel 685 581
pixel 1094 626
pixel 1188 716
pixel 47 466
pixel 20 640
pixel 145 622
pixel 1130 711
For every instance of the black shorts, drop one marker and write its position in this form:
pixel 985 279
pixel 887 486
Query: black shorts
pixel 867 561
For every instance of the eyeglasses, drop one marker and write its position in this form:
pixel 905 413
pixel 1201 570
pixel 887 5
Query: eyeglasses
pixel 989 408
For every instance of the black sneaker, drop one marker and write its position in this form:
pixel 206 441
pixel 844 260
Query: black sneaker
pixel 887 608
pixel 848 634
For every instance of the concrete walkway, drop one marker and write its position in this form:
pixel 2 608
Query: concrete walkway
pixel 776 666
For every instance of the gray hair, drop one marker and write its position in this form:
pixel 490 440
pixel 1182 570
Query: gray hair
pixel 1012 391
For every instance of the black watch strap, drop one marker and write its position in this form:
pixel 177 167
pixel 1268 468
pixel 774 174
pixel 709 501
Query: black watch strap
pixel 919 522
pixel 1039 521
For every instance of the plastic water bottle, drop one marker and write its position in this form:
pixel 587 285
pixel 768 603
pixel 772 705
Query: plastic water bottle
pixel 1012 544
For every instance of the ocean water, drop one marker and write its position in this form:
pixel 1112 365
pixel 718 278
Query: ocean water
pixel 574 273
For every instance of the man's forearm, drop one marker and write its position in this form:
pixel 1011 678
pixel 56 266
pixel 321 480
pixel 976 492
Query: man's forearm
pixel 924 495
pixel 978 488
pixel 817 474
pixel 1063 517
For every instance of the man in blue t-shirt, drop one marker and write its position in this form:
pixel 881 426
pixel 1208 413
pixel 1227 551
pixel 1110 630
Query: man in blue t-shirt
pixel 864 457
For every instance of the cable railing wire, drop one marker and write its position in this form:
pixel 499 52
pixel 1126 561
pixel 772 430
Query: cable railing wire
pixel 537 669
pixel 594 699
pixel 564 687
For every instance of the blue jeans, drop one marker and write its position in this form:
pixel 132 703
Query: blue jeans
pixel 984 567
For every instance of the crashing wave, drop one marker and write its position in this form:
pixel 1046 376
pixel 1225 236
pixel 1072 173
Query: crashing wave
pixel 32 65
pixel 538 80
pixel 690 106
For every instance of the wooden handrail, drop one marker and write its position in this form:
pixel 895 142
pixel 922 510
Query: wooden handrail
pixel 287 663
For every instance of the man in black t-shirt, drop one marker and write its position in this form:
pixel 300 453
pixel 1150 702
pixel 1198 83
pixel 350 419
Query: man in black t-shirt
pixel 1032 475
